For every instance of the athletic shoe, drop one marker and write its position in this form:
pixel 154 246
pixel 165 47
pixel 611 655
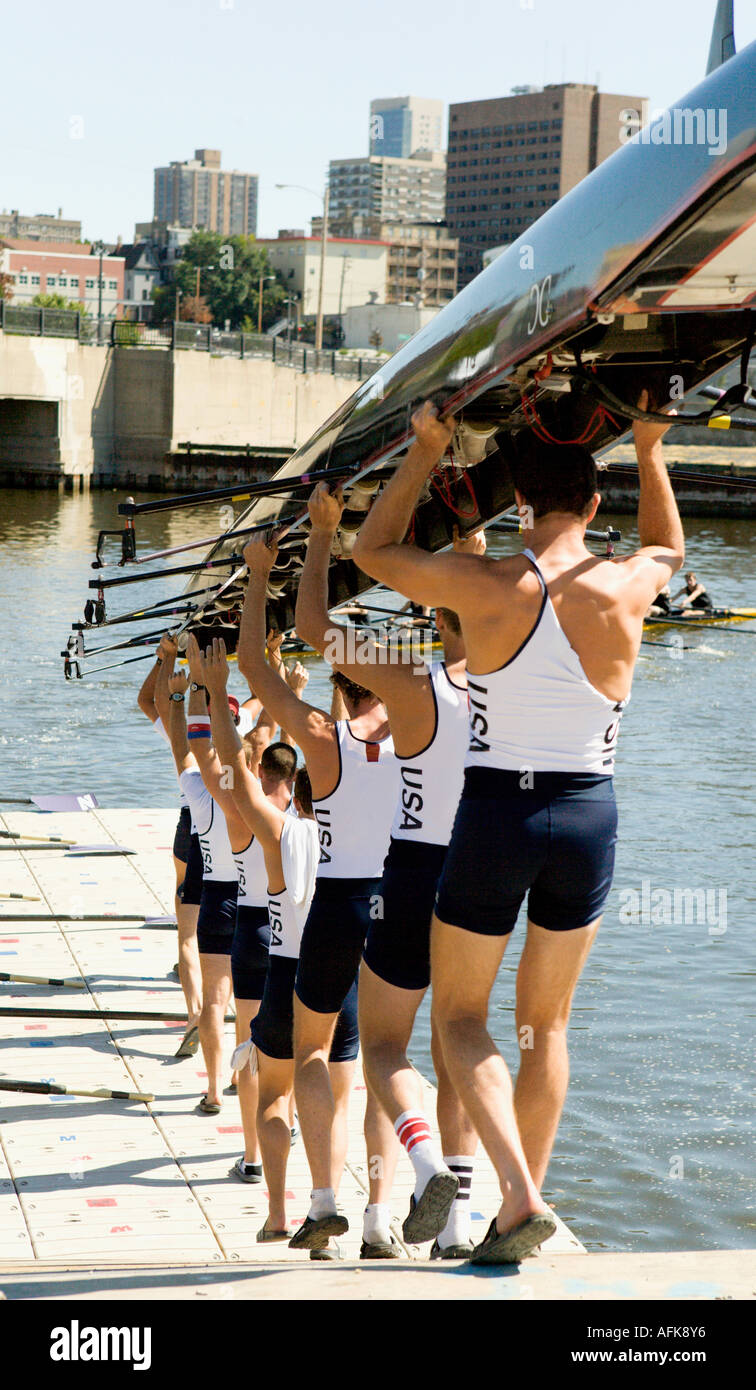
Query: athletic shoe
pixel 429 1214
pixel 327 1252
pixel 513 1245
pixel 451 1252
pixel 314 1235
pixel 381 1250
pixel 247 1172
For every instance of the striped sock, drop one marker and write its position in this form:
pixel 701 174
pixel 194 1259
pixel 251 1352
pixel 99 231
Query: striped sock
pixel 413 1131
pixel 457 1229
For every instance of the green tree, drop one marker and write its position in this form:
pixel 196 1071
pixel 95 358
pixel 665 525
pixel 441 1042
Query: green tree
pixel 230 270
pixel 58 301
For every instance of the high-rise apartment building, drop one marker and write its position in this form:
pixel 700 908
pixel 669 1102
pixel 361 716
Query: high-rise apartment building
pixel 198 193
pixel 421 264
pixel 392 190
pixel 401 125
pixel 511 158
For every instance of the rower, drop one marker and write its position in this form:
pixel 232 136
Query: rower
pixel 694 596
pixel 354 776
pixel 552 636
pixel 427 710
pixel 662 604
pixel 187 864
pixel 291 851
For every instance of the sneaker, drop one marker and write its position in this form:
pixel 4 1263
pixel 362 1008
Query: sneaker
pixel 332 1251
pixel 382 1250
pixel 247 1172
pixel 451 1252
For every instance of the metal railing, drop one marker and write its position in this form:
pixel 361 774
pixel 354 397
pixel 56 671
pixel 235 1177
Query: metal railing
pixel 197 337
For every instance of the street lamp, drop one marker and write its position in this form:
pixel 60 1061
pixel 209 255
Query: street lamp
pixel 324 198
pixel 263 278
pixel 99 247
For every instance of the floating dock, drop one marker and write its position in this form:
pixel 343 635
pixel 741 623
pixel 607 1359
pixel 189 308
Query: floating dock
pixel 102 1198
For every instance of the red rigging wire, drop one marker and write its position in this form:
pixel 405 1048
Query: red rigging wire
pixel 600 417
pixel 441 483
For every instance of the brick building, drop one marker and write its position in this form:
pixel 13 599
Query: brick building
pixel 71 270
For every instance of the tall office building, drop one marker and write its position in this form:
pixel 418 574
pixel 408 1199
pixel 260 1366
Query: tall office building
pixel 401 125
pixel 391 190
pixel 511 158
pixel 198 193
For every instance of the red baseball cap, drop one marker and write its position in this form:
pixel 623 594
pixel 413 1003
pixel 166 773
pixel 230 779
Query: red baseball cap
pixel 233 705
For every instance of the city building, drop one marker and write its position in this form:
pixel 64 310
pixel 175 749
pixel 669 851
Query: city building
pixel 42 227
pixel 198 193
pixel 422 256
pixel 401 125
pixel 53 267
pixel 142 272
pixel 355 270
pixel 511 158
pixel 391 189
pixel 383 326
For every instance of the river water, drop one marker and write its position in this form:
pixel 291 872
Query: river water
pixel 655 1150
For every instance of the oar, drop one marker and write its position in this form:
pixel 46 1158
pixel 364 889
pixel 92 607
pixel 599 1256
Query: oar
pixel 196 545
pixel 152 610
pixel 148 656
pixel 145 639
pixel 140 1015
pixel 70 849
pixel 671 646
pixel 20 897
pixel 84 917
pixel 230 562
pixel 41 980
pixel 235 492
pixel 684 476
pixel 53 1088
pixel 59 801
pixel 42 839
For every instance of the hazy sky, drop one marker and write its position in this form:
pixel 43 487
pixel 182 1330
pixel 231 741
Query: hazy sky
pixel 94 96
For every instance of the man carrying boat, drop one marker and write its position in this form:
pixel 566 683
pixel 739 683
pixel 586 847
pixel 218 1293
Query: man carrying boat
pixel 353 775
pixel 427 711
pixel 552 636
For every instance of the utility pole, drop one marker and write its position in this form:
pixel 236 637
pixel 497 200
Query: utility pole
pixel 323 244
pixel 99 247
pixel 263 278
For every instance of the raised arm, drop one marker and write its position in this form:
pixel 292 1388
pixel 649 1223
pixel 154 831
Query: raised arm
pixel 200 734
pixel 448 580
pixel 147 697
pixel 252 805
pixel 662 541
pixel 369 667
pixel 178 685
pixel 311 727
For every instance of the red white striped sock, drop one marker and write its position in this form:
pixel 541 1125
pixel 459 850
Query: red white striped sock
pixel 413 1131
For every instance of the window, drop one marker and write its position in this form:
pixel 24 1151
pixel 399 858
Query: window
pixel 62 281
pixel 51 282
pixel 113 285
pixel 35 279
pixel 74 282
pixel 90 284
pixel 23 279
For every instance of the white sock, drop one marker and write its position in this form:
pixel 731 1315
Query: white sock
pixel 376 1224
pixel 457 1229
pixel 322 1203
pixel 414 1133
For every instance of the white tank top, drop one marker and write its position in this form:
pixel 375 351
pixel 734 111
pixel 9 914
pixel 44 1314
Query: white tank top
pixel 252 875
pixel 354 822
pixel 217 858
pixel 539 712
pixel 287 911
pixel 430 784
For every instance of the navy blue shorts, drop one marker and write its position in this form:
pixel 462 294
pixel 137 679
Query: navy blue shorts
pixel 190 892
pixel 272 1029
pixel 182 838
pixel 332 940
pixel 217 917
pixel 249 953
pixel 398 941
pixel 555 842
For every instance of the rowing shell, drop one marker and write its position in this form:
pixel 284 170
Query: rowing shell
pixel 642 274
pixel 714 615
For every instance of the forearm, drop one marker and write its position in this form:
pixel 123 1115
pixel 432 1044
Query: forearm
pixel 311 616
pixel 225 734
pixel 177 733
pixel 146 696
pixel 389 518
pixel 162 693
pixel 658 517
pixel 268 685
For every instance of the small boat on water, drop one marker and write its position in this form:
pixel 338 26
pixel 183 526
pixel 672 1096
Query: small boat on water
pixel 702 616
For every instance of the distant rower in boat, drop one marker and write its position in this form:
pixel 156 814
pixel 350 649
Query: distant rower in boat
pixel 694 596
pixel 662 604
pixel 552 637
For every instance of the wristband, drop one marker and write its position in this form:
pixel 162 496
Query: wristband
pixel 198 726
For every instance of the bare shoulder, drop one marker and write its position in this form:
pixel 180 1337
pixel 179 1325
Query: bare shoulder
pixel 512 575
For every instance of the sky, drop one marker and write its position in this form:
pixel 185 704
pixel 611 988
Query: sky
pixel 93 97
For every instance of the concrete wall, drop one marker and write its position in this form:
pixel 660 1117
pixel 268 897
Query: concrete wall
pixel 69 411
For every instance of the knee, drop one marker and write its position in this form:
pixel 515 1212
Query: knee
pixel 539 1030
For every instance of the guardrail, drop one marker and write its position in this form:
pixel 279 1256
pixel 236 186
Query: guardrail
pixel 33 321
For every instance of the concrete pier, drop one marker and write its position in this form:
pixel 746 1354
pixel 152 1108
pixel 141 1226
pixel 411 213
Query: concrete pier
pixel 115 1199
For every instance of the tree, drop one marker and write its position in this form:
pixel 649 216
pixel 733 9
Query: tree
pixel 193 310
pixel 58 301
pixel 6 287
pixel 230 270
